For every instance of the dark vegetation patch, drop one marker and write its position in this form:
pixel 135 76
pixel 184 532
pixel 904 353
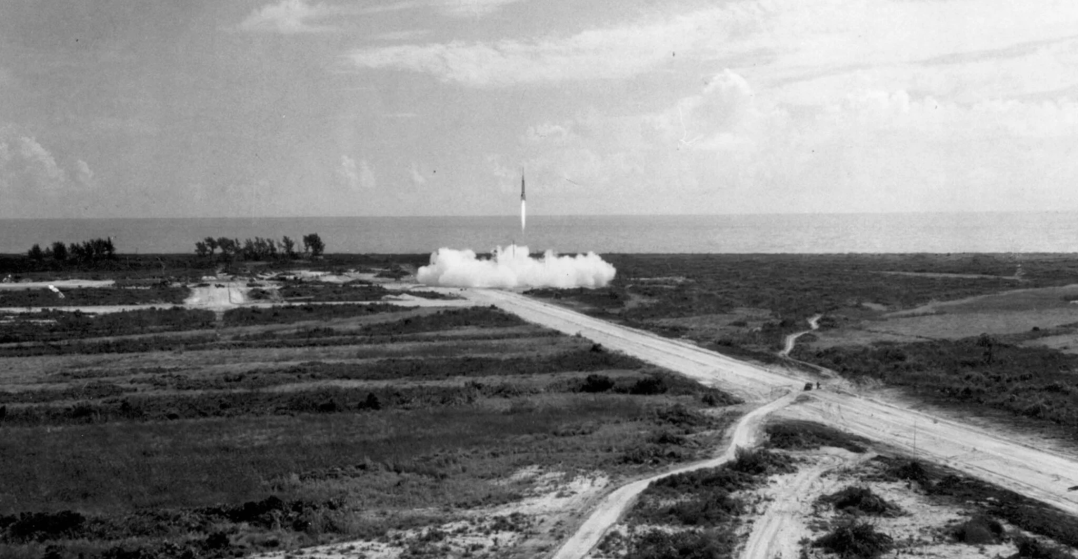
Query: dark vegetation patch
pixel 809 435
pixel 792 287
pixel 697 512
pixel 95 296
pixel 309 475
pixel 978 530
pixel 53 325
pixel 860 500
pixel 979 374
pixel 320 291
pixel 855 539
pixel 702 497
pixel 283 314
pixel 714 543
pixel 943 483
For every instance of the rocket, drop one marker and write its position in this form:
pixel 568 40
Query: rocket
pixel 523 202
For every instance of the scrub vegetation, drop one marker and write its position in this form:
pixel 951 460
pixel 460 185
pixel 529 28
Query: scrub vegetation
pixel 885 319
pixel 295 426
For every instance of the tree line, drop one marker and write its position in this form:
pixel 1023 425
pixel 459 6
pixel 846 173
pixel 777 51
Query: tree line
pixel 94 250
pixel 260 248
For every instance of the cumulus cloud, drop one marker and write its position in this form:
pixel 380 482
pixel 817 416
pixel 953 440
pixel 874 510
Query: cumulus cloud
pixel 289 17
pixel 513 266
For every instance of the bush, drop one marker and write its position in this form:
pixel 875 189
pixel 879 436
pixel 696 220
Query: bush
pixel 597 383
pixel 648 386
pixel 979 530
pixel 861 499
pixel 855 539
pixel 41 526
pixel 1034 549
pixel 691 544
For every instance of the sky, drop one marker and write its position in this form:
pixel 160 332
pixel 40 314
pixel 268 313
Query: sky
pixel 247 108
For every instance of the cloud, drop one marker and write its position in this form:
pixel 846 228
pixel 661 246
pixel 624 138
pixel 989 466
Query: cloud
pixel 84 176
pixel 417 178
pixel 614 52
pixel 471 8
pixel 356 177
pixel 289 17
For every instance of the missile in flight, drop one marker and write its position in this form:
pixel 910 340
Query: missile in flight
pixel 523 202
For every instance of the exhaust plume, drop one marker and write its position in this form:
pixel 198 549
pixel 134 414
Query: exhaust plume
pixel 514 267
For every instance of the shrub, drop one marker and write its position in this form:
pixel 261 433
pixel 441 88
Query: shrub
pixel 690 544
pixel 1034 549
pixel 41 526
pixel 861 499
pixel 648 386
pixel 597 383
pixel 979 530
pixel 855 539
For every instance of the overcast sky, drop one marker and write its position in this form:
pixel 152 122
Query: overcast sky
pixel 143 108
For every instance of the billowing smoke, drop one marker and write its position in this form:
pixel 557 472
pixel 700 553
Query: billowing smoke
pixel 514 267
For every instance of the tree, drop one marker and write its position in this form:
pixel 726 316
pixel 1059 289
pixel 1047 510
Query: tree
pixel 59 251
pixel 202 249
pixel 35 253
pixel 289 247
pixel 313 245
pixel 211 243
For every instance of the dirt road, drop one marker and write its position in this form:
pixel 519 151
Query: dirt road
pixel 814 323
pixel 775 534
pixel 747 381
pixel 1022 466
pixel 610 509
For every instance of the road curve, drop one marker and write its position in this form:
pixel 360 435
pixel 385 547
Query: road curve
pixel 610 509
pixel 814 323
pixel 1023 467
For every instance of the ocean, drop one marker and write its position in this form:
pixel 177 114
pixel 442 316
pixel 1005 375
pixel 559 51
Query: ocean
pixel 782 233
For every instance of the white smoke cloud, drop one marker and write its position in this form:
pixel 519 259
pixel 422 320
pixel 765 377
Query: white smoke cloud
pixel 513 266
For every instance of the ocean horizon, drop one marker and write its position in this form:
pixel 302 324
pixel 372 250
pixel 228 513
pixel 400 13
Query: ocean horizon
pixel 995 232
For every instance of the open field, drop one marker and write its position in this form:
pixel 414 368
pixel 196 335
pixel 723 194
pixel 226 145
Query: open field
pixel 296 427
pixel 297 409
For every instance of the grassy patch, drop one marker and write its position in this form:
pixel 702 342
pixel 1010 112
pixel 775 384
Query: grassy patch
pixel 95 296
pixel 808 435
pixel 1036 384
pixel 63 325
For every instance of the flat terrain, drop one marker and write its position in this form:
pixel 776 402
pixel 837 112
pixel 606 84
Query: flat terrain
pixel 230 425
pixel 354 414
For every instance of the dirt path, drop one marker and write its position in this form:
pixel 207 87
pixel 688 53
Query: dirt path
pixel 1024 467
pixel 814 324
pixel 775 534
pixel 745 434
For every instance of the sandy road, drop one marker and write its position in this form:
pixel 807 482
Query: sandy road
pixel 814 323
pixel 1022 466
pixel 606 514
pixel 776 533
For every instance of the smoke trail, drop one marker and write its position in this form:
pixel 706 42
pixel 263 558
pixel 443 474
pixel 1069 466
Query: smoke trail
pixel 522 214
pixel 514 267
